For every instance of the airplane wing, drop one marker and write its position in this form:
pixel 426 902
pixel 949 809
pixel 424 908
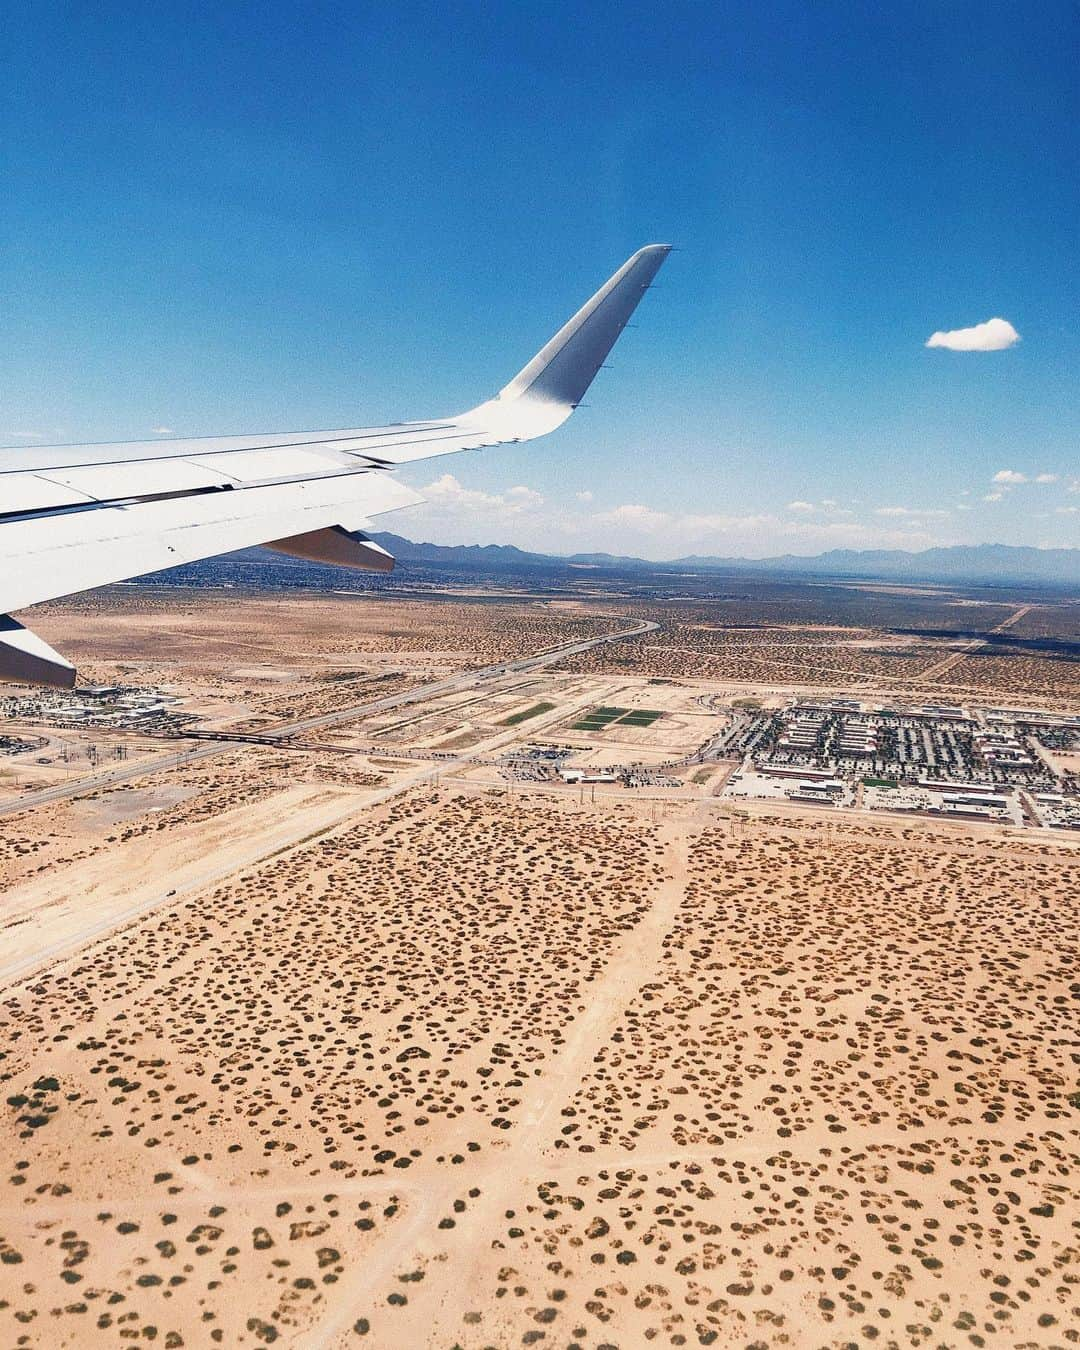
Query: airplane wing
pixel 73 517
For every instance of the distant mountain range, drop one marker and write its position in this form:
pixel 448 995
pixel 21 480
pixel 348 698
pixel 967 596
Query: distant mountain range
pixel 959 562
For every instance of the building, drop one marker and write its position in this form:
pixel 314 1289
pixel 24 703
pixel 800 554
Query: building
pixel 958 799
pixel 795 771
pixel 857 738
pixel 971 812
pixel 572 774
pixel 943 785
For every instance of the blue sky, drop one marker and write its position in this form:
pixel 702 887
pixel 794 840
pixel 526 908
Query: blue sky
pixel 277 216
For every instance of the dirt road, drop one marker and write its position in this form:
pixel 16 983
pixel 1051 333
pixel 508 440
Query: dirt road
pixel 947 663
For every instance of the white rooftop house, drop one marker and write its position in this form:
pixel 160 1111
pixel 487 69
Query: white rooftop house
pixel 1009 759
pixel 857 745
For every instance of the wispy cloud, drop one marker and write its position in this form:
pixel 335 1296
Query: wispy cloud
pixel 995 335
pixel 446 499
pixel 1046 478
pixel 634 516
pixel 668 531
pixel 1009 476
pixel 454 513
pixel 522 498
pixel 698 525
pixel 585 496
pixel 161 431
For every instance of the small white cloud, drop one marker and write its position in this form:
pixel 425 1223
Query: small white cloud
pixel 447 499
pixel 162 431
pixel 995 335
pixel 800 506
pixel 523 497
pixel 1046 478
pixel 585 496
pixel 1010 476
pixel 993 496
pixel 634 516
pixel 900 512
pixel 698 525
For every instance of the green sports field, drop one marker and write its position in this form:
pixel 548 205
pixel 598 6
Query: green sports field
pixel 599 719
pixel 526 713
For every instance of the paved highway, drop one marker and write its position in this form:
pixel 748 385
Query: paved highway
pixel 91 782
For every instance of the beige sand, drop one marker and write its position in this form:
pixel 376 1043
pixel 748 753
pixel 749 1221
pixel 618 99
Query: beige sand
pixel 569 1071
pixel 406 1065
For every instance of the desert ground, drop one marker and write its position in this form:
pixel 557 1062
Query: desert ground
pixel 359 1038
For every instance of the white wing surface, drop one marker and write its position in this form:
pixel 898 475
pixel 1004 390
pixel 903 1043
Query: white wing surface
pixel 73 517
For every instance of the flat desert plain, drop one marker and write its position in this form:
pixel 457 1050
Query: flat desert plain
pixel 491 1072
pixel 320 1046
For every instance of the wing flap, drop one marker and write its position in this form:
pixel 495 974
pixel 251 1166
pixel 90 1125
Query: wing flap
pixel 261 466
pixel 28 659
pixel 337 547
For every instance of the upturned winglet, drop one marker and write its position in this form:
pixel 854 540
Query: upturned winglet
pixel 544 393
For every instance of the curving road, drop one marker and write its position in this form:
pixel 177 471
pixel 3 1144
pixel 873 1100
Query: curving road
pixel 221 745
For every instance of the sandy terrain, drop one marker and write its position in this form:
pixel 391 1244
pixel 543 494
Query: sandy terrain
pixel 710 643
pixel 483 1067
pixel 347 1042
pixel 66 903
pixel 243 658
